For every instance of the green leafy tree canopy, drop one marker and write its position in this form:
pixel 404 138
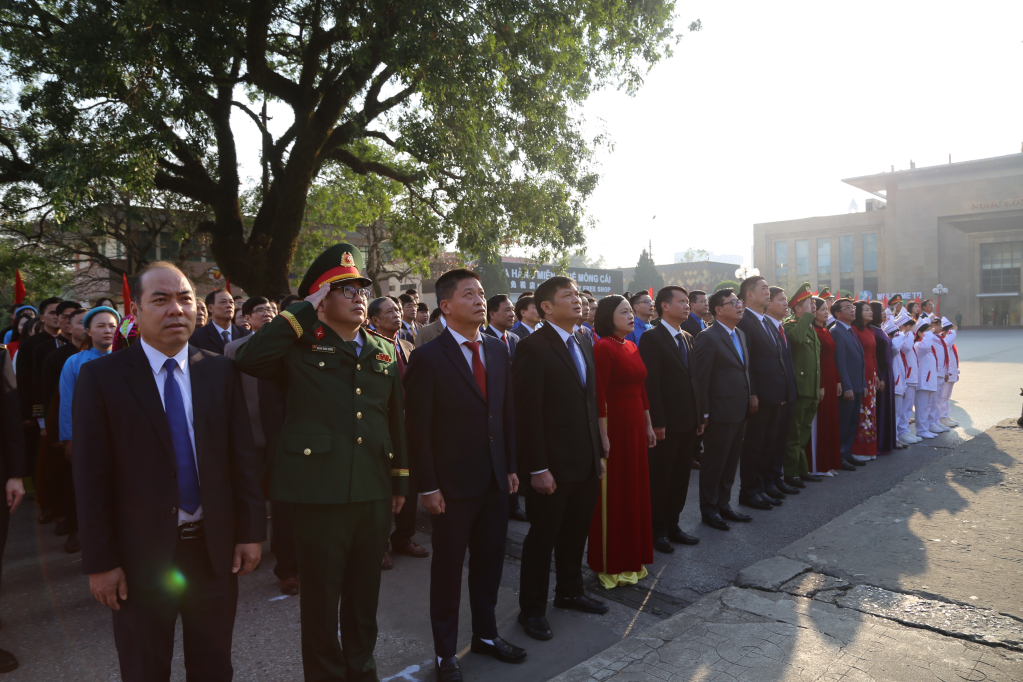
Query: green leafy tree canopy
pixel 727 284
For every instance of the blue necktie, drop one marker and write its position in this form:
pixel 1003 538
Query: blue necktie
pixel 738 346
pixel 188 477
pixel 577 358
pixel 682 349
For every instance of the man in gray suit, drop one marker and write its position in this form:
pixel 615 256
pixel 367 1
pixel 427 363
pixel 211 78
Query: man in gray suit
pixel 849 358
pixel 266 415
pixel 431 331
pixel 722 375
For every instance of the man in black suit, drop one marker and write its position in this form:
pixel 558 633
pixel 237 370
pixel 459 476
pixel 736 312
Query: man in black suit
pixel 698 307
pixel 221 329
pixel 408 327
pixel 671 388
pixel 849 360
pixel 526 315
pixel 723 379
pixel 769 387
pixel 559 454
pixel 385 318
pixel 461 435
pixel 13 465
pixel 167 481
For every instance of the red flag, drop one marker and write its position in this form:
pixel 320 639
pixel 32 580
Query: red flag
pixel 917 299
pixel 19 288
pixel 856 297
pixel 126 294
pixel 228 287
pixel 886 300
pixel 814 293
pixel 651 292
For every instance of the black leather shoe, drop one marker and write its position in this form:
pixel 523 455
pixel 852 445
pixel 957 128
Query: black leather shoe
pixel 847 467
pixel 536 627
pixel 45 517
pixel 582 603
pixel 448 670
pixel 715 521
pixel 773 501
pixel 855 463
pixel 732 515
pixel 662 545
pixel 500 649
pixel 772 491
pixel 756 503
pixel 683 538
pixel 787 489
pixel 518 515
pixel 73 544
pixel 810 478
pixel 7 661
pixel 61 528
pixel 794 481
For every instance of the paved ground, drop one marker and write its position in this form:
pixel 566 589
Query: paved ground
pixel 919 583
pixel 59 633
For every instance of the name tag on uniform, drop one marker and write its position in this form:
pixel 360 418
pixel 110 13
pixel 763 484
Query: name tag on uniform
pixel 323 349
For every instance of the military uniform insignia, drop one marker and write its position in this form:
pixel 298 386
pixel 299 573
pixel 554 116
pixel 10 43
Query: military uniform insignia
pixel 383 357
pixel 319 333
pixel 347 261
pixel 323 349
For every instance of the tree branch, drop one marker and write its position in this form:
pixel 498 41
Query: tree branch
pixel 366 167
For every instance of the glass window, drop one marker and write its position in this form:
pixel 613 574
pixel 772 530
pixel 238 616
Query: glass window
pixel 824 257
pixel 781 261
pixel 869 252
pixel 802 256
pixel 846 254
pixel 1000 267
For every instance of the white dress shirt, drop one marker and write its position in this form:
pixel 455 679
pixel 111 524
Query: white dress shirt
pixel 156 360
pixel 761 318
pixel 220 332
pixel 460 340
pixel 578 354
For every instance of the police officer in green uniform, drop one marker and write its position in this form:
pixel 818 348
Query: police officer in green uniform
pixel 342 460
pixel 806 362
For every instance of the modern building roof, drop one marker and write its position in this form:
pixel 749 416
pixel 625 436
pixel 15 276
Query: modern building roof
pixel 998 165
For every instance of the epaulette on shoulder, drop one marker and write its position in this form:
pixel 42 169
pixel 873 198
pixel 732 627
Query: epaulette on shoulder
pixel 3 346
pixel 378 335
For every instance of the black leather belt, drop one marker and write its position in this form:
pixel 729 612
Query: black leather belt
pixel 191 531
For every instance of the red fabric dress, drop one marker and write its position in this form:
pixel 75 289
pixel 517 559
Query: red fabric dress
pixel 829 444
pixel 620 537
pixel 865 443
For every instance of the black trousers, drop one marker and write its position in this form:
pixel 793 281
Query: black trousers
pixel 513 503
pixel 5 521
pixel 64 487
pixel 670 463
pixel 282 540
pixel 479 524
pixel 774 464
pixel 558 523
pixel 761 430
pixel 144 627
pixel 848 422
pixel 722 446
pixel 405 520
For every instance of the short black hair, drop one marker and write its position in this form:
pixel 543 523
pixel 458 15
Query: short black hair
pixel 666 295
pixel 47 302
pixel 636 296
pixel 494 304
pixel 79 311
pixel 136 282
pixel 587 292
pixel 696 292
pixel 775 291
pixel 434 315
pixel 548 289
pixel 403 299
pixel 212 297
pixel 521 304
pixel 718 298
pixel 395 300
pixel 604 320
pixel 411 292
pixel 251 304
pixel 448 282
pixel 422 307
pixel 838 304
pixel 99 302
pixel 289 300
pixel 64 305
pixel 926 301
pixel 747 286
pixel 373 310
pixel 238 298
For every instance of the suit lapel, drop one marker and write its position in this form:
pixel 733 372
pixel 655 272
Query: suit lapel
pixel 142 383
pixel 454 354
pixel 727 340
pixel 562 351
pixel 587 351
pixel 672 345
pixel 215 336
pixel 200 401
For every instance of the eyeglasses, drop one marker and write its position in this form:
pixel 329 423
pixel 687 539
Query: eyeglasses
pixel 736 302
pixel 260 310
pixel 352 292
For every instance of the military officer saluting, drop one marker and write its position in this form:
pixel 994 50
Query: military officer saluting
pixel 341 462
pixel 806 363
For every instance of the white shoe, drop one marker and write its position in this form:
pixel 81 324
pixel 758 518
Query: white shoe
pixel 860 458
pixel 949 422
pixel 938 428
pixel 906 438
pixel 926 434
pixel 917 439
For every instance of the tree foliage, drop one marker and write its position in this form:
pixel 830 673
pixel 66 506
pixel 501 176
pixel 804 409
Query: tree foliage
pixel 479 100
pixel 646 275
pixel 492 277
pixel 727 284
pixel 692 255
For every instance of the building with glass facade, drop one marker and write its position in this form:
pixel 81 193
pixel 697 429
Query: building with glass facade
pixel 959 225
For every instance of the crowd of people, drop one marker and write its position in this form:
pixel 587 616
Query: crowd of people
pixel 583 418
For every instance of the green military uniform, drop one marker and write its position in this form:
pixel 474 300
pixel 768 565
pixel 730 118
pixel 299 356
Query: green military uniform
pixel 341 457
pixel 806 361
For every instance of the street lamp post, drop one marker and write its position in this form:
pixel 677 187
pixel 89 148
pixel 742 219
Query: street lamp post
pixel 938 291
pixel 742 272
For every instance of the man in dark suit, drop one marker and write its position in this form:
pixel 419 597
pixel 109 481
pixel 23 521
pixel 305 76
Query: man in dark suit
pixel 769 388
pixel 221 329
pixel 671 388
pixel 461 435
pixel 13 465
pixel 723 379
pixel 694 323
pixel 849 359
pixel 167 483
pixel 772 474
pixel 527 317
pixel 265 404
pixel 385 317
pixel 559 454
pixel 408 327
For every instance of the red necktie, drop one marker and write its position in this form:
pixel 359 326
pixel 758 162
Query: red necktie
pixel 478 370
pixel 783 339
pixel 504 337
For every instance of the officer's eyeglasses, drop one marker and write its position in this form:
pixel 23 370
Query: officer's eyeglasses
pixel 352 292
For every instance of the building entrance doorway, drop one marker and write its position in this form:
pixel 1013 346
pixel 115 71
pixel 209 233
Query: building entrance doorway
pixel 1000 311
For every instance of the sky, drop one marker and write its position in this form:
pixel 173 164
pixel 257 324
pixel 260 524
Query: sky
pixel 760 115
